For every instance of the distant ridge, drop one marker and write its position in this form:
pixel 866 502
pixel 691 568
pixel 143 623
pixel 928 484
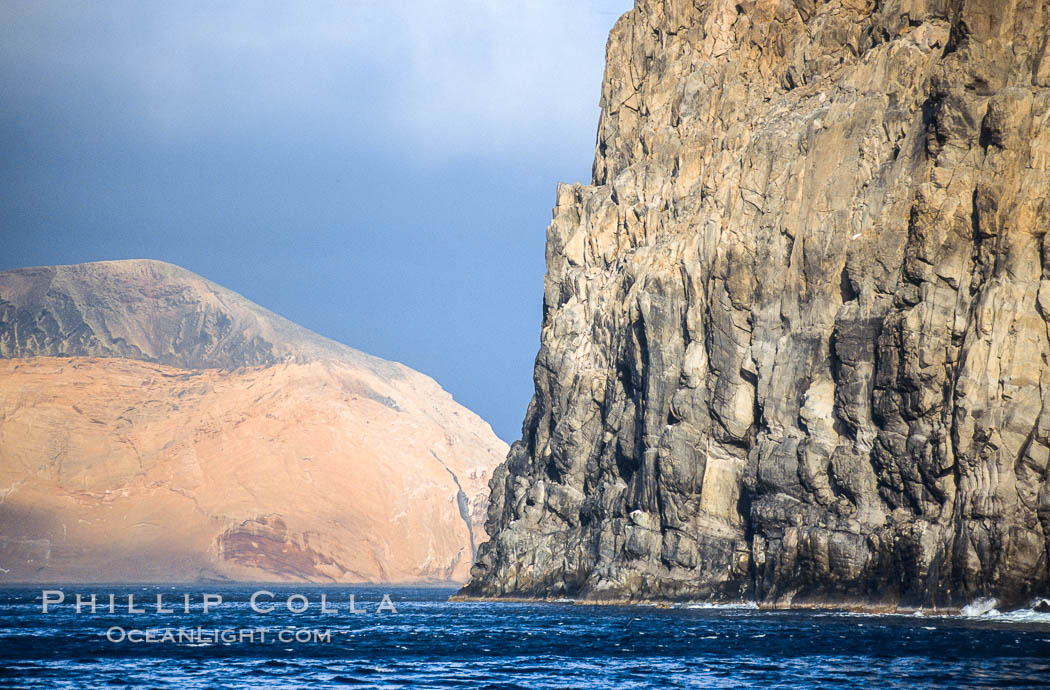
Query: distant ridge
pixel 153 311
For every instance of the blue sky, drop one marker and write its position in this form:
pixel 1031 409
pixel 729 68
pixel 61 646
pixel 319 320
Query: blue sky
pixel 379 172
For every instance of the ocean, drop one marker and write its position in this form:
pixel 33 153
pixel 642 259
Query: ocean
pixel 415 638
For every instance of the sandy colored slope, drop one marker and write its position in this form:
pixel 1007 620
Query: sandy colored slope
pixel 120 470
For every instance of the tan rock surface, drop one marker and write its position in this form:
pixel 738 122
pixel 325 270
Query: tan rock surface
pixel 317 469
pixel 795 340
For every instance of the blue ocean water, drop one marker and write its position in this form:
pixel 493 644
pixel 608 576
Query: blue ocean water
pixel 429 642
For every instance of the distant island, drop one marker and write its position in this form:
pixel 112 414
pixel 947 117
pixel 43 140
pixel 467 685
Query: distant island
pixel 156 427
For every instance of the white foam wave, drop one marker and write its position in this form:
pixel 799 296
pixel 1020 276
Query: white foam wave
pixel 744 605
pixel 980 607
pixel 985 609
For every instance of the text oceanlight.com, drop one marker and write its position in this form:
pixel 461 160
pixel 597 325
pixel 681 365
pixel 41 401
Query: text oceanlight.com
pixel 203 636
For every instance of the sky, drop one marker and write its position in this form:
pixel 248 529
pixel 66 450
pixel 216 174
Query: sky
pixel 381 172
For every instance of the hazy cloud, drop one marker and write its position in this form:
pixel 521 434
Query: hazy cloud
pixel 436 76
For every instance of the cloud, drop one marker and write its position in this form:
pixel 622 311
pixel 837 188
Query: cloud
pixel 433 78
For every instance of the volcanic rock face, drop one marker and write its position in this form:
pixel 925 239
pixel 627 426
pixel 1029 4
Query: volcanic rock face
pixel 185 433
pixel 795 333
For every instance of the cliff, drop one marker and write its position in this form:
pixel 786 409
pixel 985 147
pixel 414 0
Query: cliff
pixel 795 335
pixel 155 426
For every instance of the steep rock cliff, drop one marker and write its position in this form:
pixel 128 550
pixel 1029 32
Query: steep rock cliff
pixel 795 335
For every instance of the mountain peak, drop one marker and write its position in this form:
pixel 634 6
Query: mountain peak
pixel 152 311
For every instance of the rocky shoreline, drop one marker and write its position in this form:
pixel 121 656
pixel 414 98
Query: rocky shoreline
pixel 1041 606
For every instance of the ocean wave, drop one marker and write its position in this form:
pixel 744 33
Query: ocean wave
pixel 986 609
pixel 741 606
